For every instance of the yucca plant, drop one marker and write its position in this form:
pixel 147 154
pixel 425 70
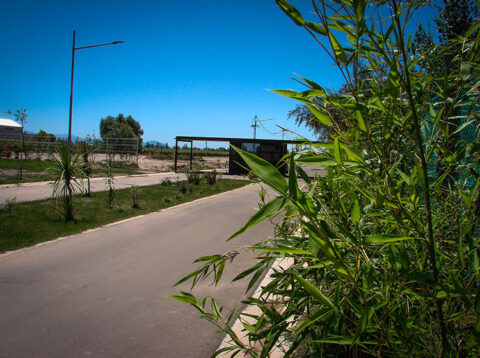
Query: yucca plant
pixel 385 250
pixel 110 183
pixel 85 150
pixel 69 173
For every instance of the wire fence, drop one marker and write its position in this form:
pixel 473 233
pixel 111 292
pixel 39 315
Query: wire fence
pixel 45 147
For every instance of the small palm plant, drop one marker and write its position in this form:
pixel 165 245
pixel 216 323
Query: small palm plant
pixel 110 182
pixel 69 172
pixel 86 150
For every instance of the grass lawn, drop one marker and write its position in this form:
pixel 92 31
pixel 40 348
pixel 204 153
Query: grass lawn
pixel 37 170
pixel 33 222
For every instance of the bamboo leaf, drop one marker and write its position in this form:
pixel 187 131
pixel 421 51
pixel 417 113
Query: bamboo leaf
pixel 337 48
pixel 386 239
pixel 321 116
pixel 282 250
pixel 264 170
pixel 336 151
pixel 355 212
pixel 360 121
pixel 314 291
pixel 269 209
pixel 363 322
pixel 472 29
pixel 360 6
pixel 291 12
pixel 335 340
pixel 317 27
pixel 292 180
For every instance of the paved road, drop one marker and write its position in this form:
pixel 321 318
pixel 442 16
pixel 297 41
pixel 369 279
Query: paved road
pixel 103 293
pixel 43 190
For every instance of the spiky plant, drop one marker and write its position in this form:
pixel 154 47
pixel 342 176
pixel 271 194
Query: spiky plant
pixel 69 172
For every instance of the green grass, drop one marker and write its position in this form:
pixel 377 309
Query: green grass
pixel 37 170
pixel 34 222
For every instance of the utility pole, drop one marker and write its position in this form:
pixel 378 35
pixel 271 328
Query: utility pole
pixel 255 125
pixel 71 81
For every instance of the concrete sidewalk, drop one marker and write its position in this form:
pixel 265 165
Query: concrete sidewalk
pixel 43 190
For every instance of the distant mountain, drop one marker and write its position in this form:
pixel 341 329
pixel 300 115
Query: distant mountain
pixel 154 143
pixel 75 138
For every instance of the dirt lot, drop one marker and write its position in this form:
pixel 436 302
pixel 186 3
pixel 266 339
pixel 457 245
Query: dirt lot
pixel 146 163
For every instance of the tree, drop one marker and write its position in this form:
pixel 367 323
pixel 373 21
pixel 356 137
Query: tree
pixel 21 117
pixel 438 59
pixel 44 136
pixel 121 127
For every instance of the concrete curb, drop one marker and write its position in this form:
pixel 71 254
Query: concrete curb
pixel 237 327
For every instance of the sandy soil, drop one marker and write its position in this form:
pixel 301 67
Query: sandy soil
pixel 145 163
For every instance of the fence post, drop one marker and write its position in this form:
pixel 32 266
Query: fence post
pixel 176 155
pixel 191 155
pixel 138 149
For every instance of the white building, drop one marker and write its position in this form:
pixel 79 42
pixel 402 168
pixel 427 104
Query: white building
pixel 10 129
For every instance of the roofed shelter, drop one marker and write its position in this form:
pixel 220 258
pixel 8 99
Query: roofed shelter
pixel 271 150
pixel 10 129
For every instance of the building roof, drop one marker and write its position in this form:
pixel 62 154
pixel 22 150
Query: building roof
pixel 245 140
pixel 9 123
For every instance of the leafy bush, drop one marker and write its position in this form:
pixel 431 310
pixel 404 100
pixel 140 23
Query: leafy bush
pixel 8 205
pixel 9 146
pixel 194 178
pixel 166 182
pixel 183 187
pixel 211 177
pixel 134 193
pixel 385 247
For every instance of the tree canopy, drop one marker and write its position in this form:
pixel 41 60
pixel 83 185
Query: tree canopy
pixel 434 51
pixel 120 127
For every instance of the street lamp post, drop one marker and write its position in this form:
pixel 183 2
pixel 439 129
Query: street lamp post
pixel 71 80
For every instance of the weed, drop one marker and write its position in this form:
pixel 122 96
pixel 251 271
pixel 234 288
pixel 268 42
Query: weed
pixel 8 206
pixel 110 182
pixel 194 178
pixel 182 187
pixel 166 182
pixel 134 193
pixel 211 177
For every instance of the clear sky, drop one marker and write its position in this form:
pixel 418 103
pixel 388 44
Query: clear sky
pixel 190 67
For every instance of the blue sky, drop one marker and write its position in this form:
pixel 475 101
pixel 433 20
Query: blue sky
pixel 189 67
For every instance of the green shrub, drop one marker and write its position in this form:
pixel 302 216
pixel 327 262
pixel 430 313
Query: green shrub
pixel 211 177
pixel 385 247
pixel 194 177
pixel 182 187
pixel 166 182
pixel 134 194
pixel 8 205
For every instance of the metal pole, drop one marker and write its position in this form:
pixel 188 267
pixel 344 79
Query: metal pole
pixel 71 94
pixel 138 142
pixel 255 125
pixel 20 170
pixel 176 155
pixel 191 154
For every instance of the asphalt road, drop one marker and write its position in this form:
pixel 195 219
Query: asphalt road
pixel 103 293
pixel 43 190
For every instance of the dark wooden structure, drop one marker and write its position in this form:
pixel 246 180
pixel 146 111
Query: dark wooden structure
pixel 272 150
